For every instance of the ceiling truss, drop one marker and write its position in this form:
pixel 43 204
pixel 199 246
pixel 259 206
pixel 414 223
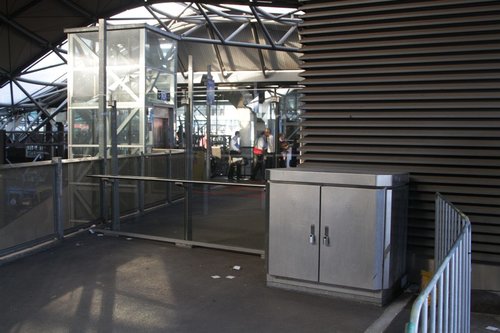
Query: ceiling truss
pixel 32 111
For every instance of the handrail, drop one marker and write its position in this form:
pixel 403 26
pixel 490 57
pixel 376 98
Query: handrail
pixel 444 304
pixel 176 181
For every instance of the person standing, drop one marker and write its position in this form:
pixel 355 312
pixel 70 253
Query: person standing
pixel 235 158
pixel 271 149
pixel 260 151
pixel 284 147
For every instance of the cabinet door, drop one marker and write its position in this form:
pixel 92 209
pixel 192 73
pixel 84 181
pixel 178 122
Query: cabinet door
pixel 354 220
pixel 293 218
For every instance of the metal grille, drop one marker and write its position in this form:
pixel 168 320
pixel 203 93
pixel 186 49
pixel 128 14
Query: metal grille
pixel 410 86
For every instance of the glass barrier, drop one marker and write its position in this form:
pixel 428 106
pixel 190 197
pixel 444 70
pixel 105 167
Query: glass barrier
pixel 224 215
pixel 155 193
pixel 229 215
pixel 26 193
pixel 81 194
pixel 129 190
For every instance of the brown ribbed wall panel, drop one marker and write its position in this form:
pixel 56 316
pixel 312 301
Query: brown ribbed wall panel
pixel 410 86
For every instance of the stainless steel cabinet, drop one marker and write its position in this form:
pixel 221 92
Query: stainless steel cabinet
pixel 292 252
pixel 337 233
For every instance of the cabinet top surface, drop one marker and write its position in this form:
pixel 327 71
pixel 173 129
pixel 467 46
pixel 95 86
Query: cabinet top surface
pixel 332 176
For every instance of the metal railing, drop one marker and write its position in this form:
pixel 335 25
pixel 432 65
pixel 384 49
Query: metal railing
pixel 444 305
pixel 190 204
pixel 43 202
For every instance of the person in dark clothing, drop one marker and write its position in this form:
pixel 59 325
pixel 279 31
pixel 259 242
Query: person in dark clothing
pixel 235 158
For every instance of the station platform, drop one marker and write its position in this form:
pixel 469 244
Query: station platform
pixel 93 283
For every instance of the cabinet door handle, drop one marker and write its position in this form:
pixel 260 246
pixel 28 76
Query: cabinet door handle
pixel 312 236
pixel 326 238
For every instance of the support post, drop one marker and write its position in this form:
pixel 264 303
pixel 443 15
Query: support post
pixel 58 197
pixel 210 99
pixel 168 175
pixel 188 188
pixel 101 117
pixel 277 119
pixel 114 168
pixel 142 172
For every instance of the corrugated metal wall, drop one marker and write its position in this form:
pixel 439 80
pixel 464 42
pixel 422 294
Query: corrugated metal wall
pixel 410 86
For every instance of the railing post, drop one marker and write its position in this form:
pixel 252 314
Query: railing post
pixel 58 197
pixel 103 193
pixel 142 170
pixel 168 171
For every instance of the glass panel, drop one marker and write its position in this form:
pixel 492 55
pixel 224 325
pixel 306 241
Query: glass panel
pixel 85 130
pixel 123 83
pixel 27 212
pixel 229 215
pixel 124 47
pixel 129 190
pixel 128 124
pixel 160 87
pixel 85 151
pixel 84 69
pixel 177 171
pixel 165 221
pixel 161 52
pixel 161 58
pixel 81 201
pixel 155 193
pixel 221 215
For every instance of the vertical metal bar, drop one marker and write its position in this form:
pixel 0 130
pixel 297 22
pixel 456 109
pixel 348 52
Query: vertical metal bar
pixel 103 192
pixel 188 188
pixel 58 197
pixel 440 305
pixel 446 303
pixel 209 126
pixel 453 291
pixel 457 291
pixel 168 172
pixel 469 267
pixel 424 317
pixel 101 116
pixel 438 234
pixel 209 140
pixel 433 310
pixel 101 113
pixel 142 172
pixel 463 276
pixel 459 288
pixel 114 169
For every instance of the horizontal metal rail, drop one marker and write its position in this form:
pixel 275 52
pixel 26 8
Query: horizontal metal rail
pixel 175 181
pixel 444 305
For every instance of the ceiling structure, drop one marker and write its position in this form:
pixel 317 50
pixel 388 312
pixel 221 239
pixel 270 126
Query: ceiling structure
pixel 31 28
pixel 234 37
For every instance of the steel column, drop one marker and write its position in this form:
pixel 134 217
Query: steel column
pixel 58 197
pixel 188 188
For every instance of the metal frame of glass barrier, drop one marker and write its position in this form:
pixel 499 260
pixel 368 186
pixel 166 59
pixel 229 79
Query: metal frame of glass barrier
pixel 186 185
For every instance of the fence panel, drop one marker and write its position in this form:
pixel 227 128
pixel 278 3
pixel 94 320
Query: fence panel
pixel 444 305
pixel 27 196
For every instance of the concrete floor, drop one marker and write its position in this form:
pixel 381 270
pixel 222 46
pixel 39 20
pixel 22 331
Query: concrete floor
pixel 92 283
pixel 111 284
